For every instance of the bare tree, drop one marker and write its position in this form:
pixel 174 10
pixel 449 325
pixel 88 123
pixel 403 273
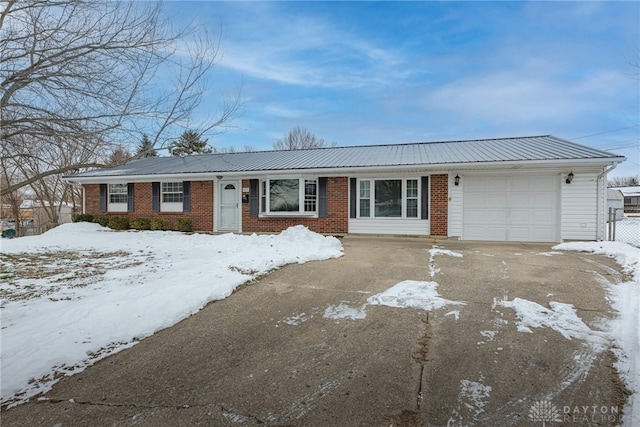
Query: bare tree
pixel 300 138
pixel 624 181
pixel 80 78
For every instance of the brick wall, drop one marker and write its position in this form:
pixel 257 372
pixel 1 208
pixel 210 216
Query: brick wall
pixel 336 223
pixel 439 211
pixel 201 205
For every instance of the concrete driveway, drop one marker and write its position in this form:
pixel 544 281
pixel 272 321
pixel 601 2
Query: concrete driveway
pixel 267 355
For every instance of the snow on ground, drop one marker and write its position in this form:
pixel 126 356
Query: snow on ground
pixel 562 318
pixel 414 294
pixel 625 329
pixel 344 311
pixel 80 292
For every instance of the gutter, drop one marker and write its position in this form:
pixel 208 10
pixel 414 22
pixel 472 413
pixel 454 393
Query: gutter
pixel 105 177
pixel 600 187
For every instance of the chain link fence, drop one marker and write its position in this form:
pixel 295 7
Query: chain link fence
pixel 622 228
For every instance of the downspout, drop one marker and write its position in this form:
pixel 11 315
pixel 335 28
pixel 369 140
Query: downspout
pixel 600 191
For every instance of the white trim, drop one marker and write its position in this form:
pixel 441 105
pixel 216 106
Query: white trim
pixel 116 207
pixel 403 191
pixel 170 206
pixel 265 212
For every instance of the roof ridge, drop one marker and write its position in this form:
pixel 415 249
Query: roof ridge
pixel 391 144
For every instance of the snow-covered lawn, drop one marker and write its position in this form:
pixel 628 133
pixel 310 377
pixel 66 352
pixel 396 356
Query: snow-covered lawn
pixel 80 292
pixel 625 329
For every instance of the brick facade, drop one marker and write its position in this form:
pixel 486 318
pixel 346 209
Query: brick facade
pixel 201 205
pixel 439 212
pixel 336 223
pixel 202 209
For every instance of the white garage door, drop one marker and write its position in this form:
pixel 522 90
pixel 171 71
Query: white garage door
pixel 520 208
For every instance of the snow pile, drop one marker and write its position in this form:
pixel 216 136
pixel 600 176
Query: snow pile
pixel 561 318
pixel 93 291
pixel 413 294
pixel 625 299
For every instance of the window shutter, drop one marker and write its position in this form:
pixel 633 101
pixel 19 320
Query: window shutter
pixel 254 198
pixel 155 196
pixel 103 197
pixel 424 198
pixel 130 197
pixel 186 196
pixel 323 197
pixel 353 184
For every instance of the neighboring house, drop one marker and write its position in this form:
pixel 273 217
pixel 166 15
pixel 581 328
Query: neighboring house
pixel 615 204
pixel 539 188
pixel 631 200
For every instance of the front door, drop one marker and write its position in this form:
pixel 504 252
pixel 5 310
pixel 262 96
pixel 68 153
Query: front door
pixel 228 206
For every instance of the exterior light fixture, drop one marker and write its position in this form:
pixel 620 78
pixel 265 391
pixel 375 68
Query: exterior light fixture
pixel 569 178
pixel 456 180
pixel 219 176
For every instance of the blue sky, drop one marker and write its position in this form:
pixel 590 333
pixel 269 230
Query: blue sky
pixel 361 73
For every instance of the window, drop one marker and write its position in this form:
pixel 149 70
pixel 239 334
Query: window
pixel 365 199
pixel 117 193
pixel 118 197
pixel 289 196
pixel 412 198
pixel 172 192
pixel 389 198
pixel 172 197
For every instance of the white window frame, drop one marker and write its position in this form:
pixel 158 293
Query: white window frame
pixel 303 198
pixel 171 206
pixel 116 190
pixel 403 191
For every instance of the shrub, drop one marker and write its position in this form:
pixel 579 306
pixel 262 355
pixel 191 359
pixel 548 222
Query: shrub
pixel 82 218
pixel 118 222
pixel 102 220
pixel 140 223
pixel 184 224
pixel 159 224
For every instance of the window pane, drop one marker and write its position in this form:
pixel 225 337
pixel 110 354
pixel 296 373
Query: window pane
pixel 263 196
pixel 365 189
pixel 388 196
pixel 310 195
pixel 412 208
pixel 412 188
pixel 172 187
pixel 284 195
pixel 365 208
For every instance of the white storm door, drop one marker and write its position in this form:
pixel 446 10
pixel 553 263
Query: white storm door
pixel 229 205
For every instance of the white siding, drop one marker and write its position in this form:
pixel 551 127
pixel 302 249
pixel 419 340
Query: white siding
pixel 579 207
pixel 405 227
pixel 455 205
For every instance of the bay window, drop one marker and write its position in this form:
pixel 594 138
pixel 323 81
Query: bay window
pixel 289 196
pixel 388 198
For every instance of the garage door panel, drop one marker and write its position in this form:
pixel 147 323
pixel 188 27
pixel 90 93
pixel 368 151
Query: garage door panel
pixel 515 208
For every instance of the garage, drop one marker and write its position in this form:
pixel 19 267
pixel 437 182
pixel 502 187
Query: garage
pixel 511 208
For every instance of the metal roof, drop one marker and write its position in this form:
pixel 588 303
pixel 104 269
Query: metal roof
pixel 422 154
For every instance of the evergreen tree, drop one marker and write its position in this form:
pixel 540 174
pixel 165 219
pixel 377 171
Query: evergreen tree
pixel 188 144
pixel 145 149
